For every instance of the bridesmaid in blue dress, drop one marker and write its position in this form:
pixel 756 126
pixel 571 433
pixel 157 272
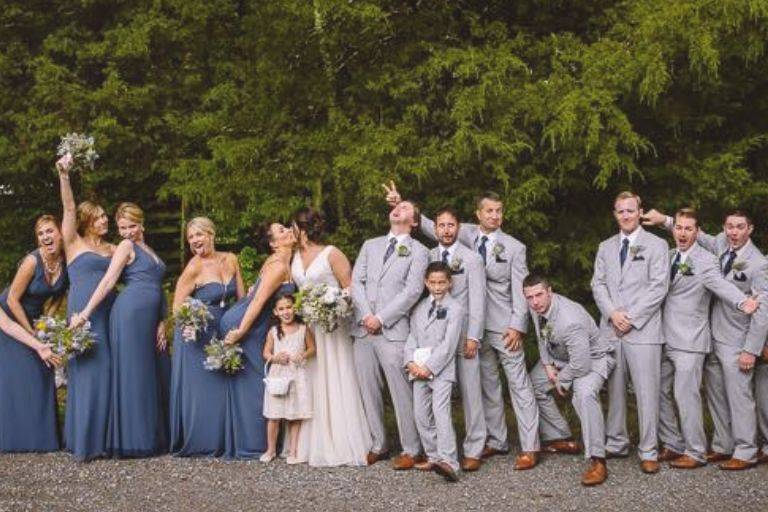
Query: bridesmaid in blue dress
pixel 138 424
pixel 27 390
pixel 88 387
pixel 247 323
pixel 198 396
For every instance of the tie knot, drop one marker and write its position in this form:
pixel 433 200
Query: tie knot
pixel 483 239
pixel 625 242
pixel 393 240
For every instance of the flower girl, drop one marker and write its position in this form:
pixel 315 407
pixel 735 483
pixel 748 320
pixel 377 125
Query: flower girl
pixel 287 395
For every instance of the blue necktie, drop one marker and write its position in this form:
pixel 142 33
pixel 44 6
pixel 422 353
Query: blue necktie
pixel 482 249
pixel 445 256
pixel 675 267
pixel 624 250
pixel 729 261
pixel 432 309
pixel 390 248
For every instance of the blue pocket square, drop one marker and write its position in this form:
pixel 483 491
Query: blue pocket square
pixel 638 258
pixel 457 272
pixel 499 260
pixel 442 313
pixel 740 276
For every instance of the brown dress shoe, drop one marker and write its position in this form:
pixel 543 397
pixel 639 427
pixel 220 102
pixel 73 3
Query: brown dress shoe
pixel 596 474
pixel 736 465
pixel 403 462
pixel 713 457
pixel 446 471
pixel 526 460
pixel 423 466
pixel 470 464
pixel 666 455
pixel 490 452
pixel 562 446
pixel 373 457
pixel 610 455
pixel 649 467
pixel 686 462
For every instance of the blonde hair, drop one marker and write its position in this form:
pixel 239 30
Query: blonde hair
pixel 204 224
pixel 629 195
pixel 87 213
pixel 43 219
pixel 131 212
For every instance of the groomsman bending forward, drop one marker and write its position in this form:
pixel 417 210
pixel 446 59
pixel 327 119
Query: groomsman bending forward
pixel 387 280
pixel 437 323
pixel 573 356
pixel 629 284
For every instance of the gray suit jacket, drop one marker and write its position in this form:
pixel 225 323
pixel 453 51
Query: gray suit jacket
pixel 388 290
pixel 441 331
pixel 505 269
pixel 571 341
pixel 468 286
pixel 749 274
pixel 639 287
pixel 685 314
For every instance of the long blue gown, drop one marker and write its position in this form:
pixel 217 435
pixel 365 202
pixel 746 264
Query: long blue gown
pixel 138 426
pixel 88 388
pixel 246 426
pixel 198 396
pixel 27 391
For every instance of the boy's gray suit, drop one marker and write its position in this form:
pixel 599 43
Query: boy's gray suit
pixel 685 322
pixel 469 288
pixel 387 289
pixel 572 343
pixel 637 287
pixel 439 327
pixel 505 307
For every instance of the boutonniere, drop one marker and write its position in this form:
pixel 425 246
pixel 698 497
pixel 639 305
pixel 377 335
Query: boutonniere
pixel 403 250
pixel 441 312
pixel 685 268
pixel 635 250
pixel 739 265
pixel 498 250
pixel 455 264
pixel 546 333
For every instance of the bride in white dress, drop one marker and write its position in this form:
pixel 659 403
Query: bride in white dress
pixel 338 432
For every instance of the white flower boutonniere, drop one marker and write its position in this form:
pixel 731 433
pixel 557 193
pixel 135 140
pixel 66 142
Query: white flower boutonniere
pixel 739 265
pixel 455 264
pixel 546 334
pixel 498 249
pixel 403 250
pixel 685 268
pixel 634 250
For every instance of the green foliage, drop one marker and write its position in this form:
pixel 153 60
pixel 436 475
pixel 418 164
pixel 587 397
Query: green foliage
pixel 247 110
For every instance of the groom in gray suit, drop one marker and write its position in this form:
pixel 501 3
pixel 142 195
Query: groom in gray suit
pixel 506 321
pixel 468 288
pixel 694 277
pixel 738 341
pixel 573 356
pixel 387 281
pixel 630 282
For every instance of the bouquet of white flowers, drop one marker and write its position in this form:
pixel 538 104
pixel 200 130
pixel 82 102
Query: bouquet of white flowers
pixel 64 341
pixel 80 150
pixel 192 313
pixel 324 305
pixel 223 357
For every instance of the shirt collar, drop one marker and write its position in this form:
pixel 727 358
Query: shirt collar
pixel 632 236
pixel 400 238
pixel 492 236
pixel 684 254
pixel 451 250
pixel 740 250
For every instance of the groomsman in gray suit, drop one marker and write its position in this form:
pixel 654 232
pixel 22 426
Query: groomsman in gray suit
pixel 387 281
pixel 437 326
pixel 738 341
pixel 468 288
pixel 506 321
pixel 573 356
pixel 629 284
pixel 694 277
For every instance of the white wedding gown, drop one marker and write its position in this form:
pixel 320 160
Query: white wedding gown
pixel 337 434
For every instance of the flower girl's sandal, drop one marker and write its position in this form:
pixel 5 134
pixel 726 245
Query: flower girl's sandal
pixel 267 457
pixel 292 460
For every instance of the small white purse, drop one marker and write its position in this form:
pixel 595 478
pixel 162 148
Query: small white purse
pixel 276 386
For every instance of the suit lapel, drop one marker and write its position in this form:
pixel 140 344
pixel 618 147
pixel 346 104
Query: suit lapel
pixel 395 255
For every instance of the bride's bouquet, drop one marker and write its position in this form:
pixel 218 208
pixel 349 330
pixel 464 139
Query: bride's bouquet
pixel 63 340
pixel 80 150
pixel 222 357
pixel 324 305
pixel 193 314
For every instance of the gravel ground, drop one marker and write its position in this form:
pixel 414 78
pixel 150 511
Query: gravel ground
pixel 54 482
